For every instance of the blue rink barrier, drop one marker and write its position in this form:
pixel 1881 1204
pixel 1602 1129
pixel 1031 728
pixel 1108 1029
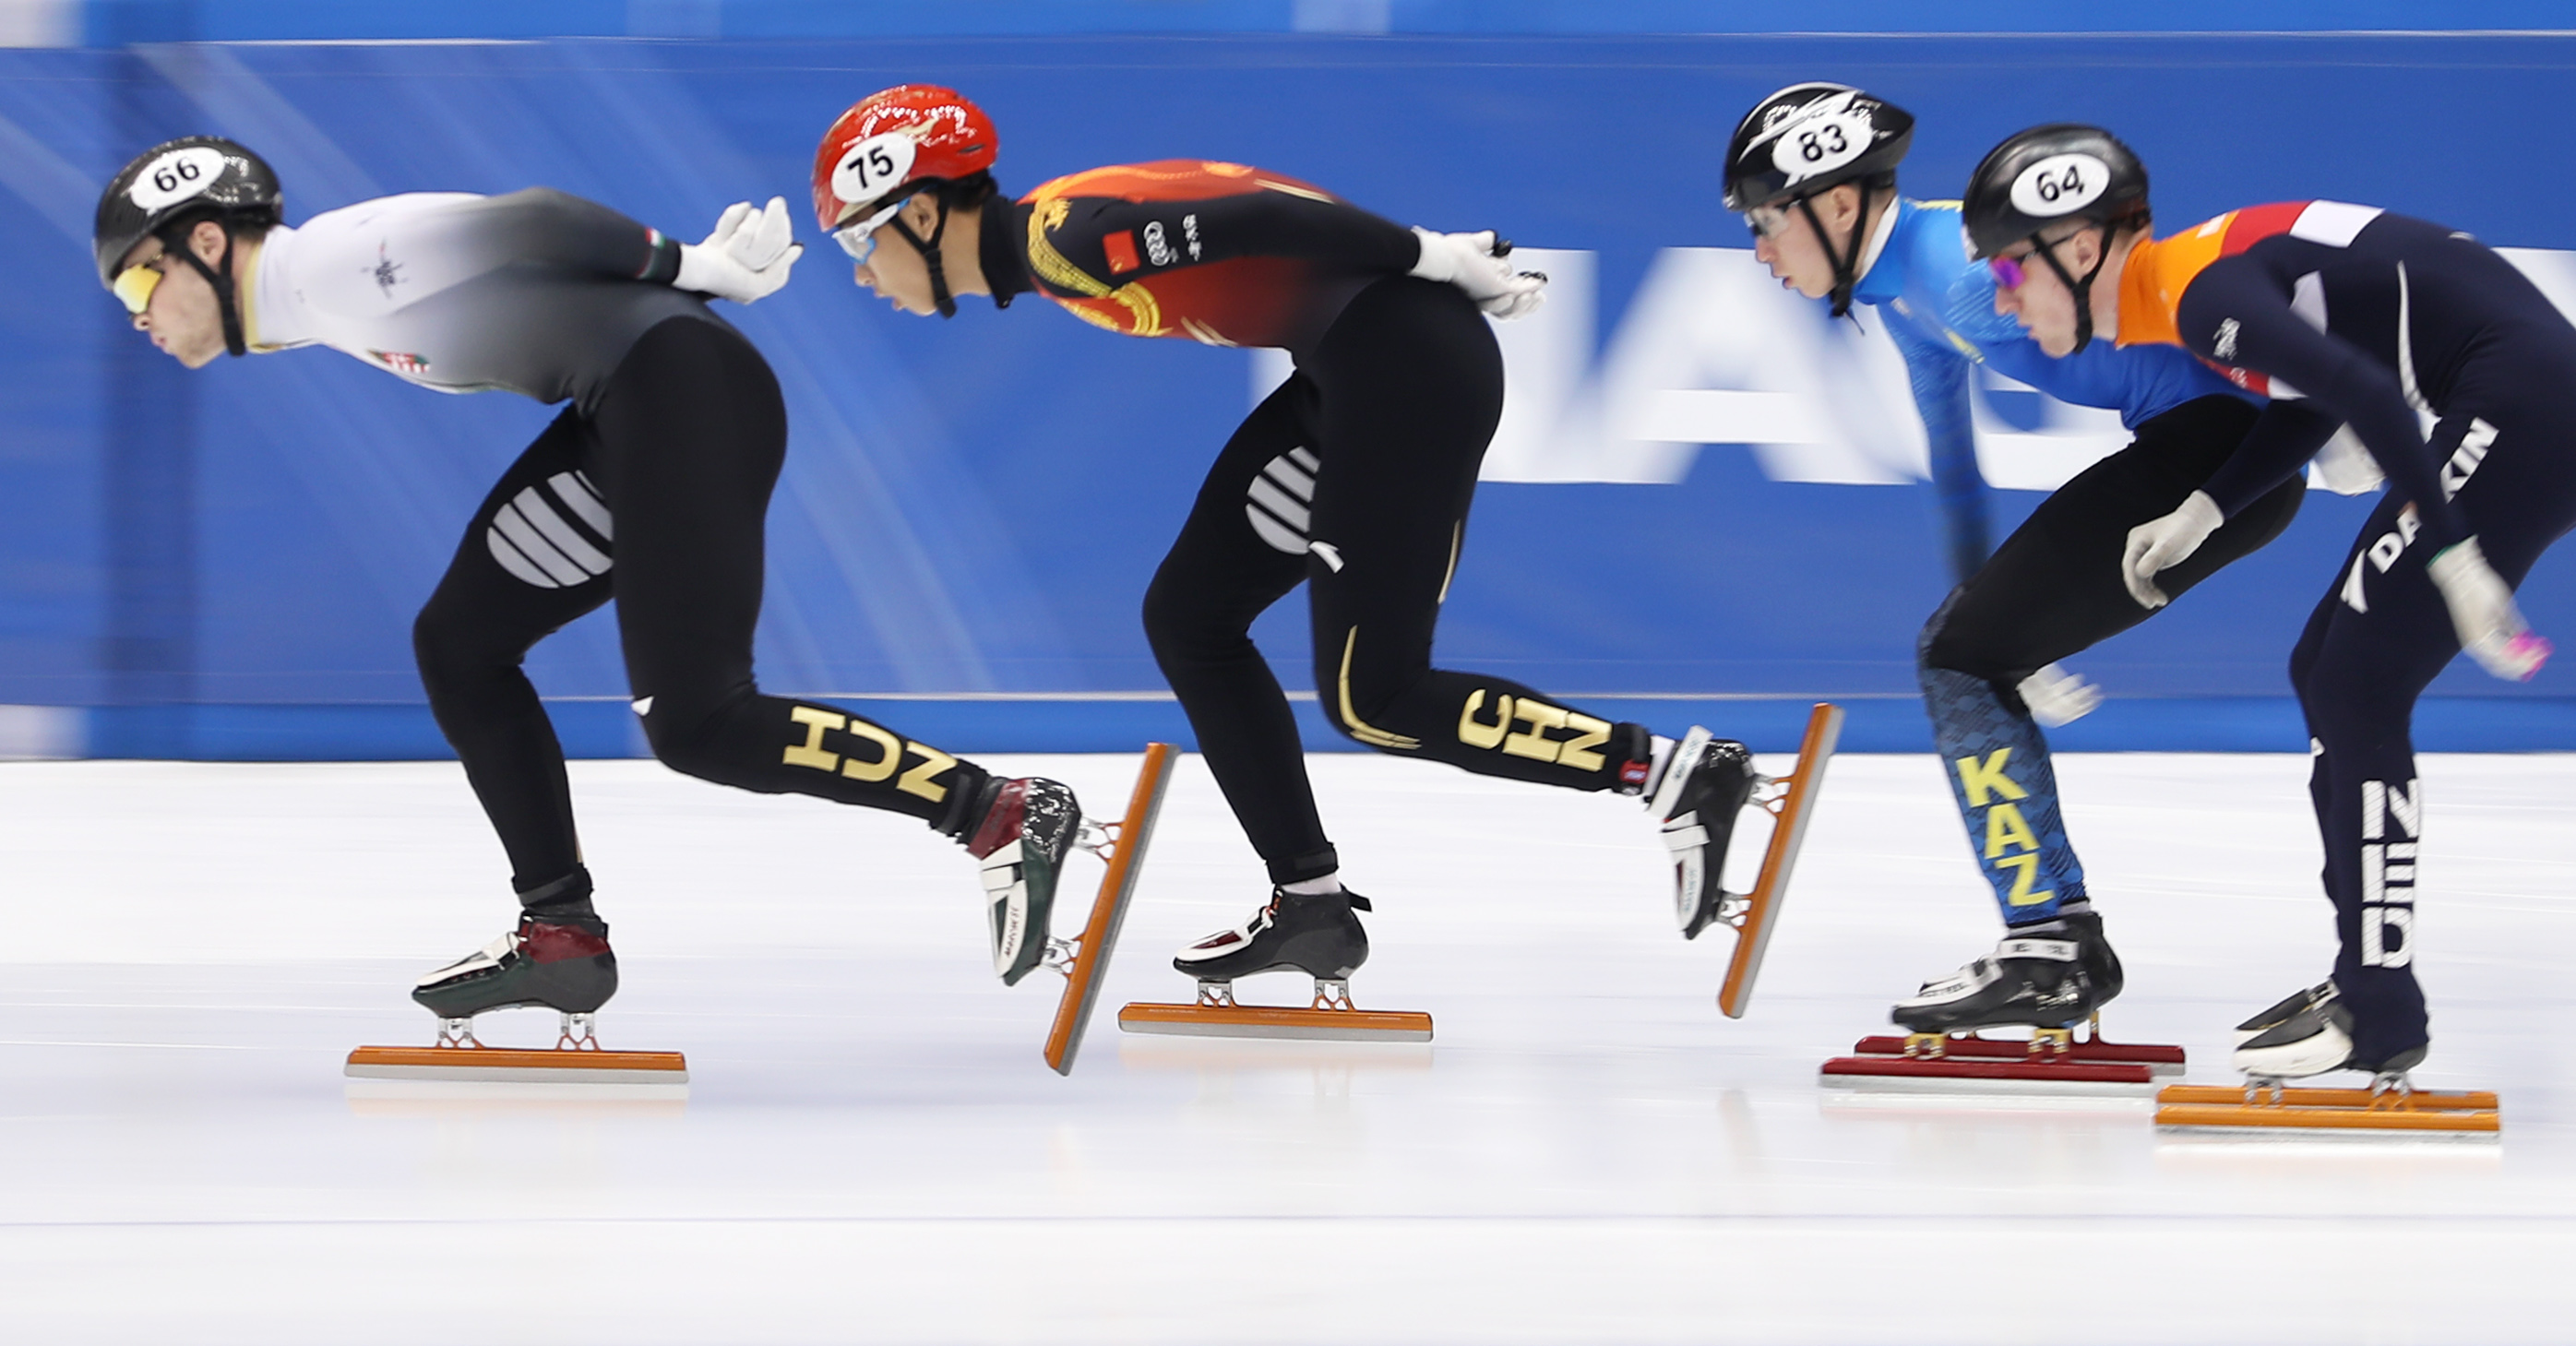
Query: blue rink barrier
pixel 107 23
pixel 607 729
pixel 227 564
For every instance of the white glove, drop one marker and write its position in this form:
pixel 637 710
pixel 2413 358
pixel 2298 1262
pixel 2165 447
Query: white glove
pixel 2057 697
pixel 2161 544
pixel 2491 628
pixel 1470 262
pixel 746 258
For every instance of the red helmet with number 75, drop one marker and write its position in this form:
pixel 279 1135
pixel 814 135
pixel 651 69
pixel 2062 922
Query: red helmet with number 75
pixel 892 144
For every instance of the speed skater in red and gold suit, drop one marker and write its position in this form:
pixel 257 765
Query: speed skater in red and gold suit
pixel 652 487
pixel 2339 313
pixel 1354 478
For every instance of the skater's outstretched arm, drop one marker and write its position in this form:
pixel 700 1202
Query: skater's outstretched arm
pixel 2284 438
pixel 1939 379
pixel 1277 221
pixel 2237 312
pixel 538 227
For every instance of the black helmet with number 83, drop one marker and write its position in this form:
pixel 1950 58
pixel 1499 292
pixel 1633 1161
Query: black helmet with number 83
pixel 1811 138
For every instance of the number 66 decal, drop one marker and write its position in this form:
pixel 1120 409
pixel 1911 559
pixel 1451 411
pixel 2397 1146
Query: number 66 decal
pixel 873 166
pixel 176 176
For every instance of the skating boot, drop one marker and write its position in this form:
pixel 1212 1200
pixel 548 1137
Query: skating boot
pixel 2047 978
pixel 1704 788
pixel 1027 826
pixel 2036 981
pixel 1318 935
pixel 2310 1033
pixel 561 963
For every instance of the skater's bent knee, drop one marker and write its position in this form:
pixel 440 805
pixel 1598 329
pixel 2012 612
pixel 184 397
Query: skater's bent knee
pixel 1942 649
pixel 456 654
pixel 689 737
pixel 1182 624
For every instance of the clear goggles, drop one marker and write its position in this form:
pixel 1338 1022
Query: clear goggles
pixel 859 237
pixel 1766 221
pixel 135 284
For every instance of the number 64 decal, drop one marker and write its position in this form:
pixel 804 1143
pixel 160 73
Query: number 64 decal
pixel 2059 184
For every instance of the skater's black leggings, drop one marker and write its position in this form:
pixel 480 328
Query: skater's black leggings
pixel 671 477
pixel 2053 589
pixel 1355 477
pixel 2377 637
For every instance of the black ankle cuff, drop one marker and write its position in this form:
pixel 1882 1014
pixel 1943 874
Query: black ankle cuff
pixel 1298 869
pixel 568 896
pixel 1635 761
pixel 970 793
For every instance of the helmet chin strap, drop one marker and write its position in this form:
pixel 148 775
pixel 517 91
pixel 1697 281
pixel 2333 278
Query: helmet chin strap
pixel 937 265
pixel 220 278
pixel 1846 264
pixel 2082 289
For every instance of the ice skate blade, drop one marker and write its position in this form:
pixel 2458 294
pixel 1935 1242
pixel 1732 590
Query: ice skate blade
pixel 1952 1075
pixel 1099 939
pixel 417 1098
pixel 517 1065
pixel 1272 1021
pixel 2160 1061
pixel 2434 1114
pixel 1791 809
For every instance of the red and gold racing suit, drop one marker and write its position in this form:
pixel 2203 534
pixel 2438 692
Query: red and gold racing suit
pixel 1354 477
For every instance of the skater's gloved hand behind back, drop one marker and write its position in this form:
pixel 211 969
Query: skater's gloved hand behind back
pixel 748 256
pixel 2490 627
pixel 1479 265
pixel 2161 544
pixel 2054 696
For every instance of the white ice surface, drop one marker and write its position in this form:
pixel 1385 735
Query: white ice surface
pixel 871 1149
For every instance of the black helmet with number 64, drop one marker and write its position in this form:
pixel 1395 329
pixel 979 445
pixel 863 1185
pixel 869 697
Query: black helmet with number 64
pixel 2063 171
pixel 2051 173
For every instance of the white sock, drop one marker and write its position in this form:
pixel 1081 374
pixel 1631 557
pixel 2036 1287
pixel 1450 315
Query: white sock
pixel 1663 758
pixel 1330 883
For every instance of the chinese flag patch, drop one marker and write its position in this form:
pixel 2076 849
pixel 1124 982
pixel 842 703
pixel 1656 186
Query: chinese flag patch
pixel 1121 247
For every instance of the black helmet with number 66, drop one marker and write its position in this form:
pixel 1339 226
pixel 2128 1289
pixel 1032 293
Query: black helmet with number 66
pixel 1810 138
pixel 176 183
pixel 205 174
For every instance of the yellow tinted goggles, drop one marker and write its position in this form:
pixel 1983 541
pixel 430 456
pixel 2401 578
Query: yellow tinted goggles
pixel 135 284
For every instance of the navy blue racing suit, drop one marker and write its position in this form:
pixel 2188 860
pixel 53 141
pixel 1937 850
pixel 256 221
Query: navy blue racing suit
pixel 2349 314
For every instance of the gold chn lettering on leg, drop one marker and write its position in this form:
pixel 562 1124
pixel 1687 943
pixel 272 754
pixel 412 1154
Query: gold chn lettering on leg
pixel 889 753
pixel 917 781
pixel 1534 743
pixel 810 752
pixel 1476 733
